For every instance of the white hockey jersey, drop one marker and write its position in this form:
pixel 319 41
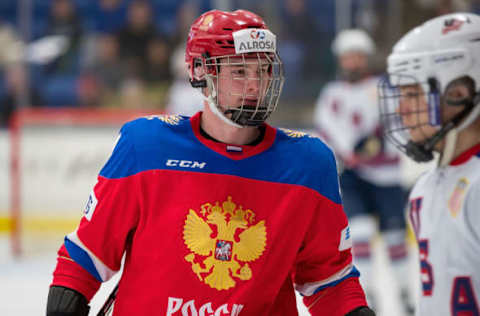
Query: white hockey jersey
pixel 444 209
pixel 345 114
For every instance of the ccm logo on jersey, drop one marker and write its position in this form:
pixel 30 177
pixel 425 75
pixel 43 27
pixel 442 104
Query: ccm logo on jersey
pixel 185 164
pixel 176 306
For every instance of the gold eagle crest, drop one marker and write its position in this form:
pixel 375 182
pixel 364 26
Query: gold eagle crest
pixel 222 245
pixel 292 133
pixel 169 119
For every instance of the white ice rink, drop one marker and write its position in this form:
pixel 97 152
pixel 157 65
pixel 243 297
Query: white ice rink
pixel 24 282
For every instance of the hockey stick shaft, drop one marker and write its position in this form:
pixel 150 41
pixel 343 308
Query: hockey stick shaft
pixel 107 306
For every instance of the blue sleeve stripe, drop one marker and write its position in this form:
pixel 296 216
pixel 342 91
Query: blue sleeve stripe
pixel 81 257
pixel 352 274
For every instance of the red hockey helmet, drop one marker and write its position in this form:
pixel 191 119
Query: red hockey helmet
pixel 217 35
pixel 212 33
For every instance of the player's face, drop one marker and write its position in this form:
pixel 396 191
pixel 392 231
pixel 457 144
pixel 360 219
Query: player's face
pixel 413 110
pixel 354 65
pixel 243 81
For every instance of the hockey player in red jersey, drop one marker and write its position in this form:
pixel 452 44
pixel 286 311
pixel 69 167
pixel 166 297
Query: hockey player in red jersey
pixel 220 213
pixel 430 103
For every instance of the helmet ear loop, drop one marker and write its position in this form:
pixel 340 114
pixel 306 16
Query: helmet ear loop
pixel 197 79
pixel 470 111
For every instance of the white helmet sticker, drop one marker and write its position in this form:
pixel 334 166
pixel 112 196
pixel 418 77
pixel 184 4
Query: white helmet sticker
pixel 254 40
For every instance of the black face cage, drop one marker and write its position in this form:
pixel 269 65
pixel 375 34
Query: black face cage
pixel 252 109
pixel 396 127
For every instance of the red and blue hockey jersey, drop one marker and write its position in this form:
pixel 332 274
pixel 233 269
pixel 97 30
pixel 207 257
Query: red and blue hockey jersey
pixel 214 229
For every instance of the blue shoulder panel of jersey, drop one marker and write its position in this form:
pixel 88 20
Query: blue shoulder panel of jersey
pixel 294 158
pixel 141 135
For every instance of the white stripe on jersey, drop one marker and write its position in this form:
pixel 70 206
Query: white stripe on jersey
pixel 308 289
pixel 104 272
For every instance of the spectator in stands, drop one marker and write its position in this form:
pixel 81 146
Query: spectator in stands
pixel 103 76
pixel 186 13
pixel 12 46
pixel 10 55
pixel 135 37
pixel 63 20
pixel 109 15
pixel 133 94
pixel 106 65
pixel 301 44
pixel 158 60
pixel 157 74
pixel 16 93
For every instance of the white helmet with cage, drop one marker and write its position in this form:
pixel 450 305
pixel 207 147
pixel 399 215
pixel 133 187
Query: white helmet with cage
pixel 353 40
pixel 433 55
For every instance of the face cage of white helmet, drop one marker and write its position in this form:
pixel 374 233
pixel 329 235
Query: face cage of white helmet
pixel 391 115
pixel 270 85
pixel 398 133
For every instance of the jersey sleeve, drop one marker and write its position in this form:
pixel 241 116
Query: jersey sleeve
pixel 110 216
pixel 70 274
pixel 471 209
pixel 330 122
pixel 324 263
pixel 321 113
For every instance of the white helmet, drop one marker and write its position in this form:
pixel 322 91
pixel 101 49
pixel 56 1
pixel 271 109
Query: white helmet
pixel 353 40
pixel 433 55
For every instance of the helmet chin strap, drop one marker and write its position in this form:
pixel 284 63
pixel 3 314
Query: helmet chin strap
pixel 212 104
pixel 451 130
pixel 449 148
pixel 474 113
pixel 451 137
pixel 423 152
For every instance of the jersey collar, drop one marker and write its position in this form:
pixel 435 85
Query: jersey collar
pixel 466 155
pixel 235 152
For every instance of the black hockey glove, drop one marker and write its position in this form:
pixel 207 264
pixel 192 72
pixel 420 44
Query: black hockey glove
pixel 63 301
pixel 361 311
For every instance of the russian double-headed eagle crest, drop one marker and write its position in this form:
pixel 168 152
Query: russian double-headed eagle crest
pixel 223 240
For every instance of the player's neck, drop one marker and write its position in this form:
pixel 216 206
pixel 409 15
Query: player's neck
pixel 466 139
pixel 225 133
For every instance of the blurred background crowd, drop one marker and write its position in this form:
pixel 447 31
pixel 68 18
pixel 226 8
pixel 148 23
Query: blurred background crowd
pixel 129 53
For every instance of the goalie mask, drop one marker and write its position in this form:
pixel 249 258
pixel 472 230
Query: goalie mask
pixel 233 57
pixel 432 67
